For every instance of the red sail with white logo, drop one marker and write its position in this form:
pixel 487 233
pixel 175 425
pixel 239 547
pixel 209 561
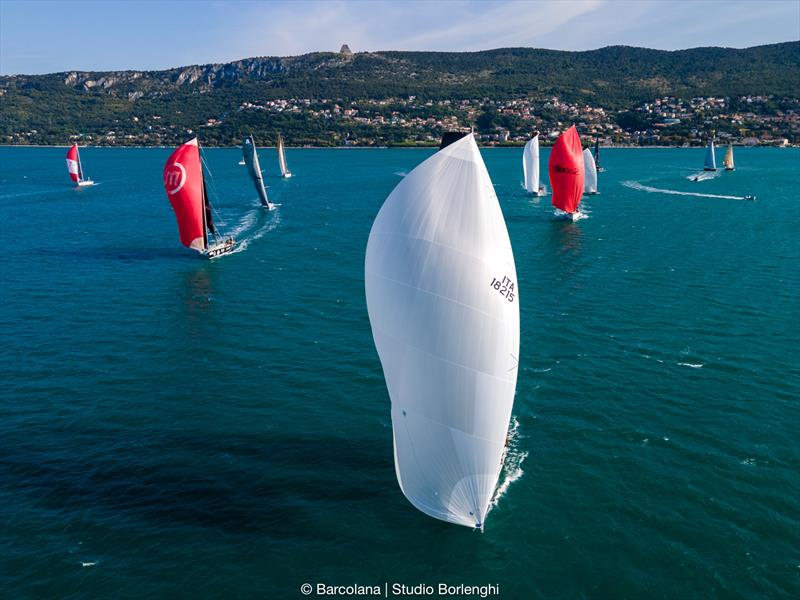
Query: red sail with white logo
pixel 73 163
pixel 566 171
pixel 183 181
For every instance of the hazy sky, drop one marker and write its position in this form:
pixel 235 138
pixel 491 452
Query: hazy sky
pixel 44 36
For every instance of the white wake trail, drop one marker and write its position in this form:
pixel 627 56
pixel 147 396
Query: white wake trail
pixel 512 463
pixel 635 185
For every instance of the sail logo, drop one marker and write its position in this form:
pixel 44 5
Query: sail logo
pixel 568 170
pixel 174 178
pixel 72 166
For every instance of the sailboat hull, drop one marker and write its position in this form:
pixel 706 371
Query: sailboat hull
pixel 85 182
pixel 220 249
pixel 708 169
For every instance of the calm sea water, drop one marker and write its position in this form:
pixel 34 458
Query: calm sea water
pixel 171 427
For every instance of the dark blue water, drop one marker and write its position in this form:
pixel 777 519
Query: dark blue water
pixel 177 428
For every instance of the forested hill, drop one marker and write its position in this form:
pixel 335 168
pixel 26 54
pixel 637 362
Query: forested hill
pixel 615 78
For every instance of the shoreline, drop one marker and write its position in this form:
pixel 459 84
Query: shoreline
pixel 482 147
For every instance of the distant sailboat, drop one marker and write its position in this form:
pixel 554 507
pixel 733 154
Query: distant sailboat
pixel 443 306
pixel 728 160
pixel 590 173
pixel 253 168
pixel 282 158
pixel 567 173
pixel 711 159
pixel 597 155
pixel 530 167
pixel 75 168
pixel 186 189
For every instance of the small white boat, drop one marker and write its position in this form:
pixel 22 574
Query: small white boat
pixel 285 172
pixel 711 159
pixel 590 173
pixel 254 170
pixel 728 160
pixel 530 166
pixel 597 155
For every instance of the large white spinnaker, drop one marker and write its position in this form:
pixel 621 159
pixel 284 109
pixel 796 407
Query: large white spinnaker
pixel 441 291
pixel 590 173
pixel 530 165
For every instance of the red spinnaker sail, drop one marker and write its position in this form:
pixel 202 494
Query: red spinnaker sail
pixel 566 171
pixel 183 181
pixel 72 163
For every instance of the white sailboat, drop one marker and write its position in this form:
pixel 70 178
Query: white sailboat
pixel 728 160
pixel 443 306
pixel 250 158
pixel 711 159
pixel 590 173
pixel 75 168
pixel 285 172
pixel 530 167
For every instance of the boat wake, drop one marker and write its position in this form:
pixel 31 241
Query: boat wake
pixel 635 185
pixel 257 232
pixel 512 463
pixel 703 175
pixel 560 215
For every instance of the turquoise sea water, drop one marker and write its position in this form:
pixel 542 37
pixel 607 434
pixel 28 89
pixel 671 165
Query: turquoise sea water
pixel 174 428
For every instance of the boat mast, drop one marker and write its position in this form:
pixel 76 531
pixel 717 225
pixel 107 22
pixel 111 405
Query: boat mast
pixel 80 167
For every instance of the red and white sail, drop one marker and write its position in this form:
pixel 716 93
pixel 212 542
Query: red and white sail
pixel 183 182
pixel 74 163
pixel 567 171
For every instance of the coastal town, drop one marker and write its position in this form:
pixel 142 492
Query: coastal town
pixel 414 121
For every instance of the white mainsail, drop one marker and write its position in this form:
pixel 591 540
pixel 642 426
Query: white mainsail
pixel 530 165
pixel 728 160
pixel 282 158
pixel 442 300
pixel 250 157
pixel 590 173
pixel 711 160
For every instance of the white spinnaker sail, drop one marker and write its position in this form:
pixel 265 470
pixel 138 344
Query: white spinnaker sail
pixel 530 165
pixel 590 173
pixel 442 301
pixel 711 160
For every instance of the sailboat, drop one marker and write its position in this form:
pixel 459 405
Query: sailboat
pixel 254 170
pixel 185 185
pixel 728 160
pixel 597 155
pixel 75 168
pixel 711 160
pixel 567 174
pixel 530 167
pixel 590 173
pixel 285 172
pixel 443 306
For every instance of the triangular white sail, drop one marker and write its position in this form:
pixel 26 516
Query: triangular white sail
pixel 530 165
pixel 711 160
pixel 728 160
pixel 254 170
pixel 443 305
pixel 282 159
pixel 590 173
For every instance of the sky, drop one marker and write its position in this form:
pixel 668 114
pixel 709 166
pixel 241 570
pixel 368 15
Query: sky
pixel 46 37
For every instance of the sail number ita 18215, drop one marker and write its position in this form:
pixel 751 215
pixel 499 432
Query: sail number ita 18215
pixel 505 286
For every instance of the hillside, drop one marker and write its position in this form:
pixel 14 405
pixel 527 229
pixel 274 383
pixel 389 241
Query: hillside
pixel 162 106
